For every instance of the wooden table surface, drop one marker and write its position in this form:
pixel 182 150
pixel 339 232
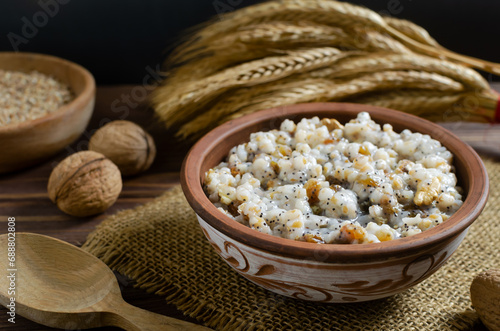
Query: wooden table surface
pixel 23 195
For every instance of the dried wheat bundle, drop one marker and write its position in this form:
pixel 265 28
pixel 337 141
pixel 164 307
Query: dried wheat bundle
pixel 291 51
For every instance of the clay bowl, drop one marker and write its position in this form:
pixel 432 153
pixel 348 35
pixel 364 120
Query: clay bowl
pixel 331 273
pixel 33 141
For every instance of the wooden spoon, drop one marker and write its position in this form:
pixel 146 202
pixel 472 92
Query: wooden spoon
pixel 62 286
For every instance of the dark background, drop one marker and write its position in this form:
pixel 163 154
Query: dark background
pixel 118 39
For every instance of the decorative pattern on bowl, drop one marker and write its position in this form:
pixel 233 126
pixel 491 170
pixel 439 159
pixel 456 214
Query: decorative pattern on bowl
pixel 328 282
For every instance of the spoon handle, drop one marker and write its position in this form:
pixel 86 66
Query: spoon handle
pixel 131 318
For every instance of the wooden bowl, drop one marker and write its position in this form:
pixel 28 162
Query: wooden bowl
pixel 331 272
pixel 28 143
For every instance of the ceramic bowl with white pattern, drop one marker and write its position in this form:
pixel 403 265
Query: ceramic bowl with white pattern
pixel 331 272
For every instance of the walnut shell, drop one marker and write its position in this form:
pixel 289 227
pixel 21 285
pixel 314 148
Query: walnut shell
pixel 126 144
pixel 485 297
pixel 84 184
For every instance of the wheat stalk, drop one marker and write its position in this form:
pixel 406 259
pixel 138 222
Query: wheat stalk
pixel 435 106
pixel 411 30
pixel 479 106
pixel 444 53
pixel 386 61
pixel 373 40
pixel 370 18
pixel 177 104
pixel 417 102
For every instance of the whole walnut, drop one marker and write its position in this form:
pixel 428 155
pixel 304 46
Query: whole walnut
pixel 84 184
pixel 126 144
pixel 485 297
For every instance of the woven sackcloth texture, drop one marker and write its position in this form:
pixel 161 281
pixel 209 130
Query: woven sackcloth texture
pixel 162 248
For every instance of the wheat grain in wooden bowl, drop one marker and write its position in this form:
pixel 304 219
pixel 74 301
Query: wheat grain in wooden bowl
pixel 331 272
pixel 34 136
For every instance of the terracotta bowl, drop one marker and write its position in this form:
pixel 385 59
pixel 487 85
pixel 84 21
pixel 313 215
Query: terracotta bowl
pixel 331 272
pixel 33 141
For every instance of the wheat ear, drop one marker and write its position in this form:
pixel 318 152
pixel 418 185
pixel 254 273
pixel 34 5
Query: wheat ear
pixel 176 104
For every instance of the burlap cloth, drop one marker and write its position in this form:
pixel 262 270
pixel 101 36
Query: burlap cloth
pixel 162 248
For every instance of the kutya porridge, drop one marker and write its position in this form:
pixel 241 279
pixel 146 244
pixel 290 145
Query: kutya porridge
pixel 319 181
